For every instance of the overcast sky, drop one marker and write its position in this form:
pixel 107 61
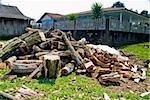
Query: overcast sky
pixel 36 8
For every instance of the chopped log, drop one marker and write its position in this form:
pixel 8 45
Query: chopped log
pixel 98 62
pixel 35 72
pixel 67 69
pixel 37 55
pixel 80 71
pixel 126 74
pixel 50 65
pixel 28 40
pixel 81 52
pixel 111 77
pixel 45 44
pixel 58 45
pixel 24 68
pixel 10 48
pixel 38 62
pixel 36 49
pixel 66 53
pixel 26 57
pixel 10 60
pixel 89 66
pixel 75 55
pixel 6 95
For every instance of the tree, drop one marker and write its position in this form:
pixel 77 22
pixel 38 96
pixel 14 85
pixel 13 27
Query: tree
pixel 144 13
pixel 118 4
pixel 73 17
pixel 96 12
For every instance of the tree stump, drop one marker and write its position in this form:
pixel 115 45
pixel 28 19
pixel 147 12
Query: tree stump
pixel 51 63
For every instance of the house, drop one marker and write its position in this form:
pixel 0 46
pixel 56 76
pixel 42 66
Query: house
pixel 12 21
pixel 47 20
pixel 117 26
pixel 120 19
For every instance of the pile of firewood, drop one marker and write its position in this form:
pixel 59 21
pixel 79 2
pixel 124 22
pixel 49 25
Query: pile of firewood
pixel 56 52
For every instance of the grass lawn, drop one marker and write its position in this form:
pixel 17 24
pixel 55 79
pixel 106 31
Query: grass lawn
pixel 139 50
pixel 75 87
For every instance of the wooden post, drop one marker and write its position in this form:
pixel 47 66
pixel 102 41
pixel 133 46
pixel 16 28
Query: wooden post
pixel 51 63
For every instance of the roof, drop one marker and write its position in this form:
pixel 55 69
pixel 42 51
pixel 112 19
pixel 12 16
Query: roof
pixel 52 15
pixel 11 12
pixel 110 9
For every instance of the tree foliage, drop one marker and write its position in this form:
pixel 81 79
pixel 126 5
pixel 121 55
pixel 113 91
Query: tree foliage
pixel 118 4
pixel 72 16
pixel 96 10
pixel 144 13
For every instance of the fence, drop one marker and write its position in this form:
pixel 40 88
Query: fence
pixel 99 24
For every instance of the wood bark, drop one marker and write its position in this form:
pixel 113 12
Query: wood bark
pixel 67 69
pixel 10 48
pixel 75 55
pixel 25 40
pixel 51 63
pixel 35 72
pixel 10 60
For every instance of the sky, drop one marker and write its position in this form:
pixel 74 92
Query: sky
pixel 36 8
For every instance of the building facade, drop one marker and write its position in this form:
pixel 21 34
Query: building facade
pixel 12 21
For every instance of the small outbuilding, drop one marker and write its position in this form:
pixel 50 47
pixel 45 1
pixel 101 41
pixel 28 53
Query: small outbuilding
pixel 12 21
pixel 47 20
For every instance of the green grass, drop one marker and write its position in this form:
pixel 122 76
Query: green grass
pixel 76 87
pixel 139 50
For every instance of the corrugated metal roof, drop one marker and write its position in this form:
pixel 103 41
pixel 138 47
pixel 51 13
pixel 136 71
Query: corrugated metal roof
pixel 11 12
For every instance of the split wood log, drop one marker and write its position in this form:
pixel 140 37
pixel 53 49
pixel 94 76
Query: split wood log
pixel 36 49
pixel 81 52
pixel 29 61
pixel 45 44
pixel 126 74
pixel 80 71
pixel 57 45
pixel 35 72
pixel 24 68
pixel 6 95
pixel 89 66
pixel 67 69
pixel 26 57
pixel 28 40
pixel 98 62
pixel 51 63
pixel 10 60
pixel 66 53
pixel 112 77
pixel 75 55
pixel 10 48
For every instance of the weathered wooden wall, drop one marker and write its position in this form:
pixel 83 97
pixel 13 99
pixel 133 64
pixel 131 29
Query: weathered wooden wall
pixel 12 26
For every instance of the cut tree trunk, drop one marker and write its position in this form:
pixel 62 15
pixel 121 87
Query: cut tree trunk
pixel 75 55
pixel 67 69
pixel 10 48
pixel 10 60
pixel 26 40
pixel 51 63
